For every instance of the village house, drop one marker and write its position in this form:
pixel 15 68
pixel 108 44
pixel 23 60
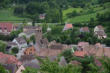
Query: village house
pixel 62 61
pixel 6 28
pixel 53 49
pixel 30 61
pixel 21 42
pixel 67 27
pixel 10 67
pixel 84 29
pixel 43 43
pixel 8 59
pixel 82 45
pixel 20 69
pixel 10 45
pixel 42 16
pixel 27 34
pixel 97 50
pixel 30 51
pixel 99 32
pixel 35 29
pixel 11 63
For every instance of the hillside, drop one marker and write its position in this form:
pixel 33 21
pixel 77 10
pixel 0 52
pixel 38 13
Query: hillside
pixel 7 15
pixel 85 15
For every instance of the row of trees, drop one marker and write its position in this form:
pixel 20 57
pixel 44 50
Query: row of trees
pixel 33 10
pixel 71 36
pixel 87 65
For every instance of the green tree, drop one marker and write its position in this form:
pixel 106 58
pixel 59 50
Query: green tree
pixel 19 11
pixel 2 47
pixel 15 50
pixel 105 64
pixel 33 38
pixel 53 67
pixel 33 9
pixel 2 69
pixel 30 70
pixel 67 54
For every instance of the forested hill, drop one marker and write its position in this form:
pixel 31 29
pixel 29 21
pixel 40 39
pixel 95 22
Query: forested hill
pixel 56 10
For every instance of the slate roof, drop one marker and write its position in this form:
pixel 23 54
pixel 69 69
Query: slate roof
pixel 100 27
pixel 62 61
pixel 31 27
pixel 27 58
pixel 30 61
pixel 48 52
pixel 20 40
pixel 11 44
pixel 101 33
pixel 56 46
pixel 10 67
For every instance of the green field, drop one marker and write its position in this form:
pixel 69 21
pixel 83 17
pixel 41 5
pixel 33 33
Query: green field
pixel 85 17
pixel 7 15
pixel 69 10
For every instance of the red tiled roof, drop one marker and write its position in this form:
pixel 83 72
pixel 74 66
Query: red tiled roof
pixel 83 43
pixel 8 59
pixel 68 26
pixel 80 53
pixel 5 25
pixel 85 29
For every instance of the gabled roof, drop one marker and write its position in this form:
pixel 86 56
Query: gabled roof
pixel 6 25
pixel 100 27
pixel 56 46
pixel 30 61
pixel 11 44
pixel 20 40
pixel 80 53
pixel 11 67
pixel 83 44
pixel 48 52
pixel 67 26
pixel 8 59
pixel 30 49
pixel 84 29
pixel 27 58
pixel 31 27
pixel 62 61
pixel 101 33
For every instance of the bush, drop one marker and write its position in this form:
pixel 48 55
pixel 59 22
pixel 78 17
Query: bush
pixel 15 50
pixel 19 11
